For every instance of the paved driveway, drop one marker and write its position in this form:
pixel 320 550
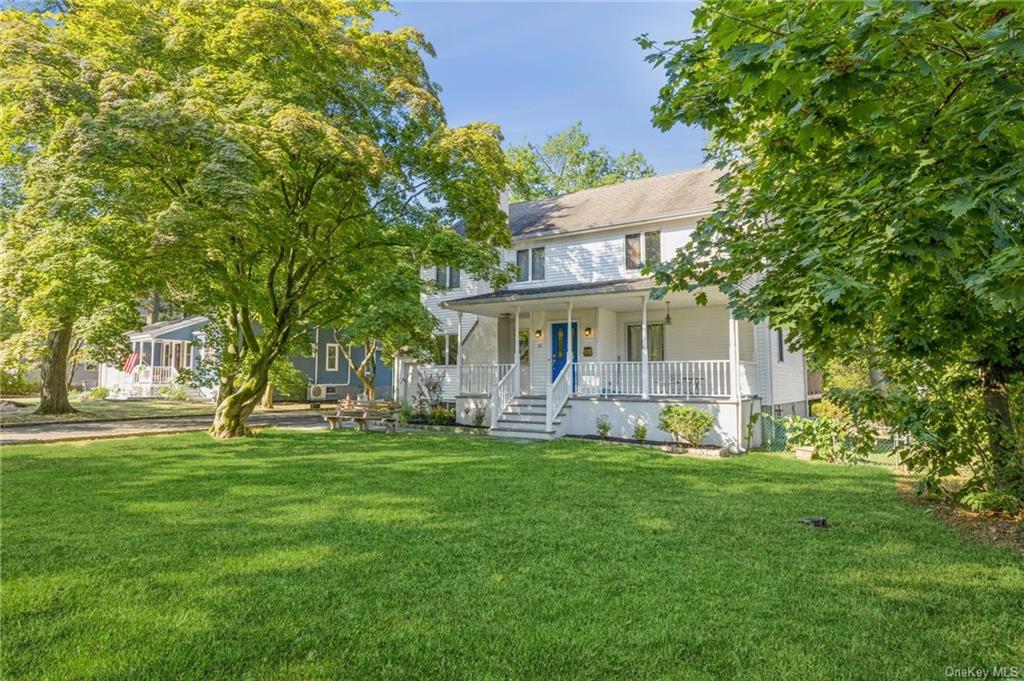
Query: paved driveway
pixel 56 432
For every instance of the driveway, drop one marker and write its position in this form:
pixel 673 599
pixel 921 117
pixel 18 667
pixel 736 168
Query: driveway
pixel 57 432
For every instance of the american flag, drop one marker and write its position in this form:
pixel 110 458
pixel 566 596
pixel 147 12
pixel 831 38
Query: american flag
pixel 131 362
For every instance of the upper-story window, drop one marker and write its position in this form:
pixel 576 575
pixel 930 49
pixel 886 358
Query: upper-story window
pixel 447 277
pixel 530 262
pixel 643 248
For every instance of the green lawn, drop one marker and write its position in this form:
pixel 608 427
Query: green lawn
pixel 343 555
pixel 106 410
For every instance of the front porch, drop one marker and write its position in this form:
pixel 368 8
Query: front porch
pixel 599 345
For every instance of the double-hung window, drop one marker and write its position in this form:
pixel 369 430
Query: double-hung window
pixel 655 342
pixel 333 356
pixel 446 349
pixel 530 264
pixel 643 248
pixel 447 277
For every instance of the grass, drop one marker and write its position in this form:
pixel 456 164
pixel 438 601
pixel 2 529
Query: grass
pixel 343 555
pixel 117 410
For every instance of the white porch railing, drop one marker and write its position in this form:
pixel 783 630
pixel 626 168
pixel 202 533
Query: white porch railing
pixel 156 375
pixel 694 378
pixel 558 394
pixel 478 379
pixel 609 378
pixel 503 393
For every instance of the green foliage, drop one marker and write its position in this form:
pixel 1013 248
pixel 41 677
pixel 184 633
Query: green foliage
pixel 406 414
pixel 604 426
pixel 566 163
pixel 288 381
pixel 479 414
pixel 172 392
pixel 685 423
pixel 640 431
pixel 872 182
pixel 14 382
pixel 832 439
pixel 997 501
pixel 99 393
pixel 441 416
pixel 274 185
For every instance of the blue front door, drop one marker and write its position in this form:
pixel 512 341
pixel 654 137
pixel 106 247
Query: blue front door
pixel 560 348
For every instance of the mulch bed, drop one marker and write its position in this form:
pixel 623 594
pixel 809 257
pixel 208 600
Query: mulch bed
pixel 666 447
pixel 986 528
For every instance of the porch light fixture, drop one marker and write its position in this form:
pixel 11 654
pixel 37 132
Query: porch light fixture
pixel 538 334
pixel 668 315
pixel 588 332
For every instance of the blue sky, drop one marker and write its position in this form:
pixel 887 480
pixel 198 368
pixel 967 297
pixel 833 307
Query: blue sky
pixel 535 68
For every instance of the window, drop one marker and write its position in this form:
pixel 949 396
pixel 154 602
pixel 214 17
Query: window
pixel 530 263
pixel 655 342
pixel 333 357
pixel 446 349
pixel 643 248
pixel 781 344
pixel 447 277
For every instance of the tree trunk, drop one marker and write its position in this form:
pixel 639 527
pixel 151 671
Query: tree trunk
pixel 230 418
pixel 268 397
pixel 1007 458
pixel 153 309
pixel 53 372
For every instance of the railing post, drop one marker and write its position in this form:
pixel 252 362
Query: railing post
pixel 495 409
pixel 548 418
pixel 458 357
pixel 516 362
pixel 645 369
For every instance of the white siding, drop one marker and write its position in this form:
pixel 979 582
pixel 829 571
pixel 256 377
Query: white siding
pixel 789 375
pixel 447 320
pixel 596 257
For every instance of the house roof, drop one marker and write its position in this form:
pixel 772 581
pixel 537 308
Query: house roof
pixel 536 293
pixel 652 197
pixel 160 328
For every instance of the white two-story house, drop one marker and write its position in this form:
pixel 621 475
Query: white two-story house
pixel 578 335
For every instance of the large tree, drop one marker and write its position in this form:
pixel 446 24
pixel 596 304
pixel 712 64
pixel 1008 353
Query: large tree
pixel 278 150
pixel 70 268
pixel 567 162
pixel 875 186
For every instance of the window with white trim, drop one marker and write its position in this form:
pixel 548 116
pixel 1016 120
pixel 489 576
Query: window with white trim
pixel 530 262
pixel 446 349
pixel 655 342
pixel 642 248
pixel 447 277
pixel 332 357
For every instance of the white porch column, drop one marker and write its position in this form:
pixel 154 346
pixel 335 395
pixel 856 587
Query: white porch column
pixel 734 377
pixel 569 348
pixel 152 353
pixel 517 362
pixel 645 367
pixel 458 357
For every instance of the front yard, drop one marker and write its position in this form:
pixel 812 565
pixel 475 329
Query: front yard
pixel 342 555
pixel 117 410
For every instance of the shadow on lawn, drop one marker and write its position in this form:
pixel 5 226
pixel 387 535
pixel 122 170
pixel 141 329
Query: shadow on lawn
pixel 351 555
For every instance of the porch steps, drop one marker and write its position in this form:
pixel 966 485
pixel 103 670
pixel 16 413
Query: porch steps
pixel 525 418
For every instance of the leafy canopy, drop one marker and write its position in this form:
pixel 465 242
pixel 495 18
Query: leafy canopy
pixel 566 163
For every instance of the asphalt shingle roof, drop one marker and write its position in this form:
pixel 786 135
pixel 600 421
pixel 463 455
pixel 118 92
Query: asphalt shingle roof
pixel 650 197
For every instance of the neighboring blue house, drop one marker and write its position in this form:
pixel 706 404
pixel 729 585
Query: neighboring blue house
pixel 159 351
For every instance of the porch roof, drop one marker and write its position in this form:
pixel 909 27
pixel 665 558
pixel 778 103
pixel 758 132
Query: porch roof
pixel 155 331
pixel 470 303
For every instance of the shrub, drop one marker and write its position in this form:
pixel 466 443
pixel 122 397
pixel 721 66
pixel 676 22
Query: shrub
pixel 830 438
pixel 439 416
pixel 406 414
pixel 479 414
pixel 77 396
pixel 997 501
pixel 429 389
pixel 172 392
pixel 604 426
pixel 685 423
pixel 13 382
pixel 99 393
pixel 640 431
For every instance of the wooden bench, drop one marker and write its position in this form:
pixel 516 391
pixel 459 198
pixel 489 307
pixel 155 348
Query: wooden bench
pixel 363 414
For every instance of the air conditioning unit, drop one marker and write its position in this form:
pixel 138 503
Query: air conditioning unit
pixel 323 391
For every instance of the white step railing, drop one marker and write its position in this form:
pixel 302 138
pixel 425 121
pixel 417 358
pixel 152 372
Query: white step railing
pixel 479 379
pixel 557 395
pixel 503 392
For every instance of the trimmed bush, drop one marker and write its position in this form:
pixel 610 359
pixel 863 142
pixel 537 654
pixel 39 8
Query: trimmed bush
pixel 640 431
pixel 685 423
pixel 604 426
